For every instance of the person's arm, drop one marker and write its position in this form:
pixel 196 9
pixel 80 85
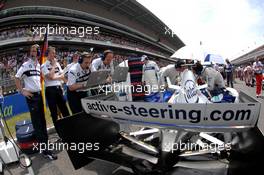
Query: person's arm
pixel 143 71
pixel 53 76
pixel 162 81
pixel 66 69
pixel 209 81
pixel 73 86
pixel 50 75
pixel 112 68
pixel 19 87
pixel 93 69
pixel 61 73
pixel 94 66
pixel 76 86
pixel 254 66
pixel 18 84
pixel 157 67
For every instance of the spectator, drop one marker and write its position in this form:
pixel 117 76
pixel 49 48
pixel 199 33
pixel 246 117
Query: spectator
pixel 258 69
pixel 229 73
pixel 248 75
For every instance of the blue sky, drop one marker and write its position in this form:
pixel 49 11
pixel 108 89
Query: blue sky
pixel 226 27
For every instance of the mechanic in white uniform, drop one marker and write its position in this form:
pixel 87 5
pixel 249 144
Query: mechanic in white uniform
pixel 173 72
pixel 52 72
pixel 105 62
pixel 29 73
pixel 150 74
pixel 77 77
pixel 75 58
pixel 213 78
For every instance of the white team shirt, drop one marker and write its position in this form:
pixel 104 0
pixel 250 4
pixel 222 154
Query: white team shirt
pixel 77 75
pixel 171 72
pixel 29 72
pixel 213 78
pixel 67 68
pixel 150 70
pixel 98 64
pixel 46 68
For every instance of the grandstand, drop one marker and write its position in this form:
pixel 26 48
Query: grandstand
pixel 250 56
pixel 126 27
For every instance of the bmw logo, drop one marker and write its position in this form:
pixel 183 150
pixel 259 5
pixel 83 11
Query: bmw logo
pixel 190 92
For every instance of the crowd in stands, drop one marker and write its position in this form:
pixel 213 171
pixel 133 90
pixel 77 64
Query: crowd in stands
pixel 15 33
pixel 9 64
pixel 111 39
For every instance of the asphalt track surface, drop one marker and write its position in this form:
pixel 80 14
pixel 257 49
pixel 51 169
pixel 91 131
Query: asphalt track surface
pixel 63 166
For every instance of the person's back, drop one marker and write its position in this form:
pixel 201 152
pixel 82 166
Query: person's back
pixel 213 78
pixel 150 70
pixel 229 73
pixel 168 71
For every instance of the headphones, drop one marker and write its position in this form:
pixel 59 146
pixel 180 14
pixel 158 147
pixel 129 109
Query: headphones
pixel 80 61
pixel 38 52
pixel 106 52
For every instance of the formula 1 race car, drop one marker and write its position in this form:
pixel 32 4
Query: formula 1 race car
pixel 181 129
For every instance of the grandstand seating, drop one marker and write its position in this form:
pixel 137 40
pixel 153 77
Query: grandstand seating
pixel 123 37
pixel 103 36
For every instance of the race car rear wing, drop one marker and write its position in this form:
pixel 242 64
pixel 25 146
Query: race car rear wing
pixel 213 117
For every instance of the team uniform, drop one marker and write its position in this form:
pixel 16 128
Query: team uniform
pixel 29 72
pixel 76 75
pixel 171 72
pixel 54 92
pixel 214 80
pixel 67 68
pixel 150 77
pixel 98 64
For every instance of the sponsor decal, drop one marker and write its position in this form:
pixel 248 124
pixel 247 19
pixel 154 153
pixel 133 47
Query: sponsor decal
pixel 185 115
